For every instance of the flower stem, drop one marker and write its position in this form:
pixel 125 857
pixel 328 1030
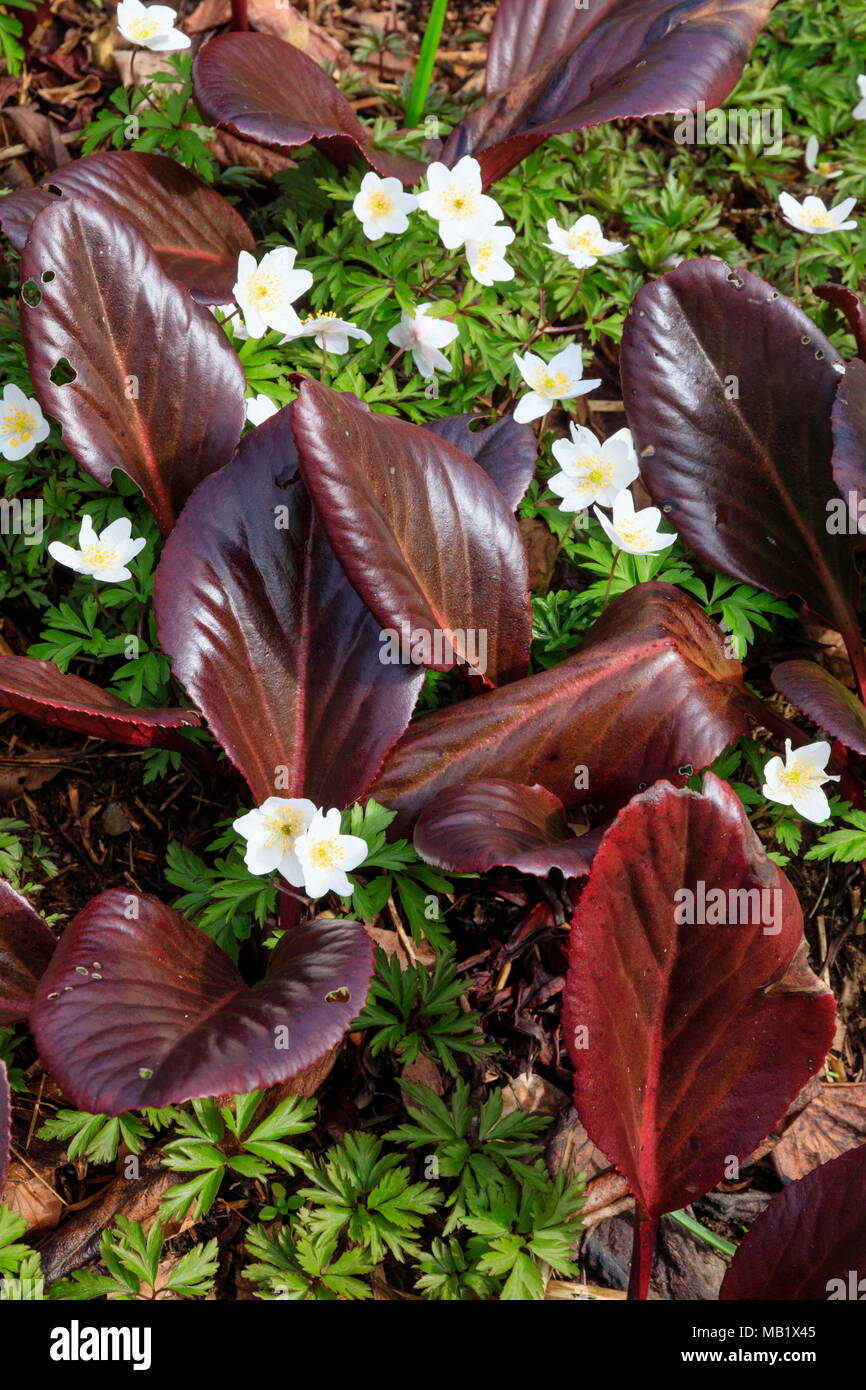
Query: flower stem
pixel 104 611
pixel 797 274
pixel 324 358
pixel 564 537
pixel 387 367
pixel 616 555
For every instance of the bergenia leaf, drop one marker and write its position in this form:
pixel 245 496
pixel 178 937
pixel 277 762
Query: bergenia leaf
pixel 140 1008
pixel 728 389
pixel 690 1013
pixel 158 391
pixel 849 304
pixel 506 450
pixel 651 693
pixel 26 946
pixel 482 825
pixel 269 638
pixel 810 1242
pixel 849 450
pixel 40 690
pixel 825 700
pixel 266 90
pixel 423 534
pixel 556 66
pixel 195 234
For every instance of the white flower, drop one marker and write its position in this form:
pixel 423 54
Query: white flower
pixel 425 336
pixel 798 780
pixel 593 472
pixel 813 217
pixel 22 424
pixel 635 532
pixel 382 206
pixel 266 292
pixel 259 408
pixel 486 257
pixel 324 855
pixel 583 243
pixel 811 160
pixel 330 332
pixel 455 199
pixel 239 332
pixel 104 556
pixel 859 112
pixel 556 380
pixel 150 25
pixel 272 832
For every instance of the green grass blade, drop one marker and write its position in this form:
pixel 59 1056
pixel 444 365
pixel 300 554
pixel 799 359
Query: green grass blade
pixel 426 61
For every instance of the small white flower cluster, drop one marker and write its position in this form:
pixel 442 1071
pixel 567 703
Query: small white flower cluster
pixel 150 26
pixel 601 474
pixel 303 843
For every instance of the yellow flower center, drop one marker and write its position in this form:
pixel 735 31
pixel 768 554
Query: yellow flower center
pixel 379 205
pixel 584 241
pixel 458 203
pixel 99 556
pixel 799 778
pixel 546 383
pixel 484 258
pixel 284 827
pixel 266 290
pixel 143 29
pixel 19 426
pixel 597 474
pixel 818 217
pixel 633 536
pixel 327 854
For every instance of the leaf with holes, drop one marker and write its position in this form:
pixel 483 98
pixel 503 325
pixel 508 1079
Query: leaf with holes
pixel 473 828
pixel 728 389
pixel 158 391
pixel 195 234
pixel 849 452
pixel 690 1013
pixel 26 947
pixel 810 1242
pixel 269 638
pixel 140 1008
pixel 556 66
pixel 41 691
pixel 506 451
pixel 650 694
pixel 423 534
pixel 266 90
pixel 825 700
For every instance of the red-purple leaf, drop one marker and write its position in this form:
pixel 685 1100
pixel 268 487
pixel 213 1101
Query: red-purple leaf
pixel 140 1008
pixel 728 389
pixel 423 534
pixel 473 828
pixel 689 1038
pixel 269 638
pixel 825 700
pixel 266 90
pixel 41 691
pixel 849 447
pixel 26 947
pixel 506 451
pixel 649 694
pixel 810 1243
pixel 5 1124
pixel 849 304
pixel 194 232
pixel 555 66
pixel 158 391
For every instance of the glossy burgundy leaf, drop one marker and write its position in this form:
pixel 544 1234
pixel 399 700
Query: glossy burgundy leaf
pixel 849 304
pixel 140 1008
pixel 194 232
pixel 40 690
pixel 555 66
pixel 423 534
pixel 825 700
pixel 158 391
pixel 689 1037
pixel 269 638
pixel 810 1242
pixel 849 449
pixel 26 947
pixel 728 389
pixel 266 90
pixel 506 451
pixel 5 1124
pixel 650 692
pixel 478 826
